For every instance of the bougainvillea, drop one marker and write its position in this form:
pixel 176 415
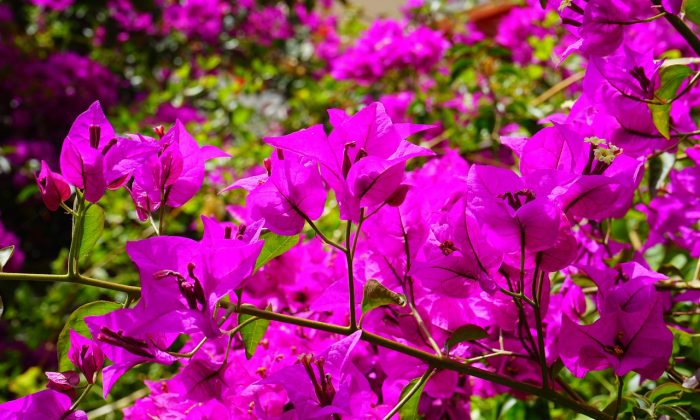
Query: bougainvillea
pixel 372 270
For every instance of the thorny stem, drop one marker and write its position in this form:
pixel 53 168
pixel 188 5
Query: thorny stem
pixel 423 379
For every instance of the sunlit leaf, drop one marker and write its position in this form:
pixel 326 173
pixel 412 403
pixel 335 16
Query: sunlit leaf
pixel 76 322
pixel 252 333
pixel 93 225
pixel 275 245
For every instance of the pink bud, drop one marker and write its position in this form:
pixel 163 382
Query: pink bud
pixel 53 187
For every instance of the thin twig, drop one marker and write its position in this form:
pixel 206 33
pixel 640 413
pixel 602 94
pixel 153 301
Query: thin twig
pixel 423 379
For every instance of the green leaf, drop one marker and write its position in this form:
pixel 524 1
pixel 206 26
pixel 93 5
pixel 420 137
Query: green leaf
pixel 692 11
pixel 464 333
pixel 670 389
pixel 93 225
pixel 5 255
pixel 674 412
pixel 459 67
pixel 252 333
pixel 671 79
pixel 375 295
pixel 660 114
pixel 275 245
pixel 76 321
pixel 409 411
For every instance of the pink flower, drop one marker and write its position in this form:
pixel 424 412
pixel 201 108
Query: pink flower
pixel 53 187
pixel 290 192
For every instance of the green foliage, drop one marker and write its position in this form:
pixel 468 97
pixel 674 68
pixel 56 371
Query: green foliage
pixel 671 79
pixel 76 322
pixel 93 226
pixel 275 245
pixel 692 10
pixel 252 333
pixel 464 333
pixel 409 411
pixel 376 294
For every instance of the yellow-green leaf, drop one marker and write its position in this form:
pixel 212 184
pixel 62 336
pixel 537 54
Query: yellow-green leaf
pixel 671 79
pixel 93 225
pixel 375 295
pixel 409 411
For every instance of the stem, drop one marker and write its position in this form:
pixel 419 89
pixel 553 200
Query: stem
pixel 618 403
pixel 190 353
pixel 76 234
pixel 320 234
pixel 423 379
pixel 357 231
pixel 540 329
pixel 67 209
pixel 161 220
pixel 129 300
pixel 568 389
pixel 118 404
pixel 681 27
pixel 433 360
pixel 521 285
pixel 549 93
pixel 487 356
pixel 161 212
pixel 687 87
pixel 351 275
pixel 241 325
pixel 424 328
pixel 68 278
pixel 635 21
pixel 80 398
